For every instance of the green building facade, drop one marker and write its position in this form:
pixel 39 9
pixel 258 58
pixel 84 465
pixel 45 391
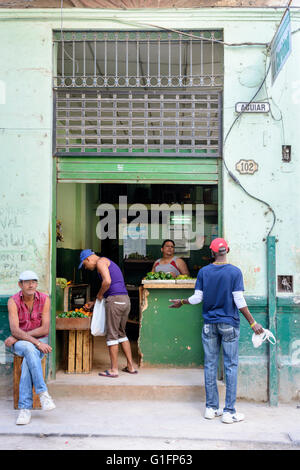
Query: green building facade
pixel 250 161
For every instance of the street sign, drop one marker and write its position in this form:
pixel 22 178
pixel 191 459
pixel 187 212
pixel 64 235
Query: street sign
pixel 281 46
pixel 256 107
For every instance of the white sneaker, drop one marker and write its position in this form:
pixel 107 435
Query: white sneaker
pixel 46 401
pixel 230 418
pixel 24 417
pixel 210 413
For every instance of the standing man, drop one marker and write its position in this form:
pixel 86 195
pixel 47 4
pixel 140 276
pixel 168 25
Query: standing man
pixel 220 286
pixel 117 308
pixel 29 321
pixel 170 263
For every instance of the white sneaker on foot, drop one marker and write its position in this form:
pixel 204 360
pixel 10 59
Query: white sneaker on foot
pixel 24 417
pixel 230 418
pixel 46 401
pixel 210 413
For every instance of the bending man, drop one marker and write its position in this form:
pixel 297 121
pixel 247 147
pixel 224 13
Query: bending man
pixel 117 307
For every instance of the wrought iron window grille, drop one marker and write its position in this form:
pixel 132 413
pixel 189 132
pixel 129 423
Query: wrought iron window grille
pixel 137 59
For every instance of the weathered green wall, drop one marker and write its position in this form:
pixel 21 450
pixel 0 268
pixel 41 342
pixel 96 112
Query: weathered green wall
pixel 25 135
pixel 260 137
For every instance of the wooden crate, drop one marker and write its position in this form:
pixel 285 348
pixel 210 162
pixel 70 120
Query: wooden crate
pixel 78 351
pixel 16 382
pixel 73 323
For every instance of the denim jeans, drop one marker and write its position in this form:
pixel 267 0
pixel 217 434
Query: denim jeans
pixel 213 335
pixel 31 372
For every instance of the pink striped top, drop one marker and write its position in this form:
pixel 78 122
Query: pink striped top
pixel 27 321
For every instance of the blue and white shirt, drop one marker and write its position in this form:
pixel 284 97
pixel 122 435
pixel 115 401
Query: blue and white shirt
pixel 218 283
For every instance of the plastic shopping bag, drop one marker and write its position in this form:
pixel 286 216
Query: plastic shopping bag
pixel 267 335
pixel 98 324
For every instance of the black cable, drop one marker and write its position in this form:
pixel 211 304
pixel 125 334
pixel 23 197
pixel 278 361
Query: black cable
pixel 235 179
pixel 202 38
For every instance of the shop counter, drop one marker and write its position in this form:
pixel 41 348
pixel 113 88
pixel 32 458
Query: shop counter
pixel 169 336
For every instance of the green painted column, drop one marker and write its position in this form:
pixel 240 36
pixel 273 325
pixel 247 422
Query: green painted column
pixel 271 270
pixel 52 365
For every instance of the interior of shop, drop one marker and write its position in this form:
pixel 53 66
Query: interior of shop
pixel 82 210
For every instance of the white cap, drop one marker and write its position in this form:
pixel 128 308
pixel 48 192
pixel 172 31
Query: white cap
pixel 28 276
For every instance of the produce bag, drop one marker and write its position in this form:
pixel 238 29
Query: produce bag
pixel 267 335
pixel 98 323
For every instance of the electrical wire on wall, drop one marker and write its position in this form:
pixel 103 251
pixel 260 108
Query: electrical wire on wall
pixel 234 178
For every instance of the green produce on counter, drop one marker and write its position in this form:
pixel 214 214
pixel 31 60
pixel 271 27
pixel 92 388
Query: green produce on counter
pixel 159 276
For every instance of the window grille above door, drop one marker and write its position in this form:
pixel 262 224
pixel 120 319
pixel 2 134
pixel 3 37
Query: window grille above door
pixel 138 59
pixel 139 122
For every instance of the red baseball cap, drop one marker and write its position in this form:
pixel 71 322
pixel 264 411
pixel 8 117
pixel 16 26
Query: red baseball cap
pixel 219 245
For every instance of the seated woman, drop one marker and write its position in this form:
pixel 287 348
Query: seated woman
pixel 170 263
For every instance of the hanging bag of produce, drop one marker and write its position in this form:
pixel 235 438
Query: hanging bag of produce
pixel 98 323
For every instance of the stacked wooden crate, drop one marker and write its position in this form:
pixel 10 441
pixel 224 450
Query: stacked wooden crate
pixel 78 344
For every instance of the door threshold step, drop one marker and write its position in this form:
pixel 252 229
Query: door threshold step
pixel 148 384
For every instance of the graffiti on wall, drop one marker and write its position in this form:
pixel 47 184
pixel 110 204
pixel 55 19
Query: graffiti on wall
pixel 12 242
pixel 18 249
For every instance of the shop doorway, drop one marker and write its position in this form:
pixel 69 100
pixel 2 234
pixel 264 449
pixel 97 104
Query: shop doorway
pixel 80 213
pixel 137 114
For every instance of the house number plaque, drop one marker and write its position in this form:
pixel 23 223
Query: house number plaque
pixel 246 167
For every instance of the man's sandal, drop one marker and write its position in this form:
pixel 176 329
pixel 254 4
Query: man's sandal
pixel 106 373
pixel 128 371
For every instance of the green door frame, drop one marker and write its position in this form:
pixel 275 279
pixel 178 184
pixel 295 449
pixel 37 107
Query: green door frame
pixel 52 366
pixel 272 317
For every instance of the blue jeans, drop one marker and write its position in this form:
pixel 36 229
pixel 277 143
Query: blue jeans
pixel 31 372
pixel 213 335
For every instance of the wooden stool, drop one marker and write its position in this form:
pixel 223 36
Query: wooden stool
pixel 16 381
pixel 78 351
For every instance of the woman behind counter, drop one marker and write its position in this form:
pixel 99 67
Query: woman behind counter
pixel 170 263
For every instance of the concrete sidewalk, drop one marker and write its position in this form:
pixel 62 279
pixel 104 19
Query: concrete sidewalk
pixel 171 406
pixel 167 420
